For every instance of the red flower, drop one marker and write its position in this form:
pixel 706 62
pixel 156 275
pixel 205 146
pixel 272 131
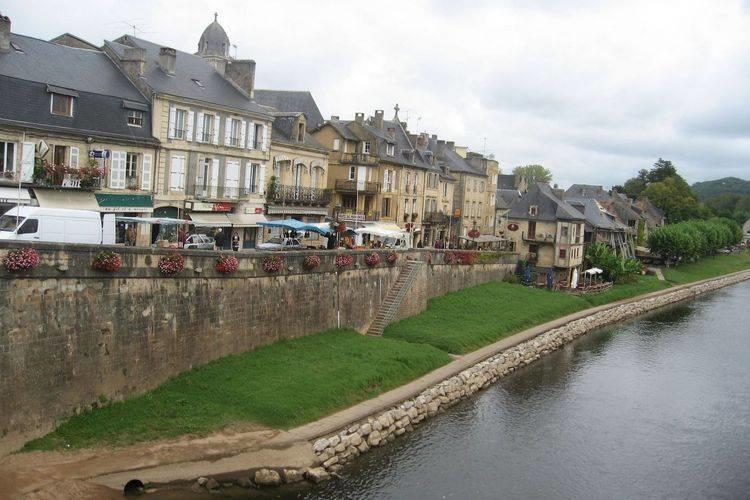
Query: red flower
pixel 344 260
pixel 311 262
pixel 23 259
pixel 373 259
pixel 391 257
pixel 171 264
pixel 273 263
pixel 227 264
pixel 107 261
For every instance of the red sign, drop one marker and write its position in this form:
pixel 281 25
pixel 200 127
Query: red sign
pixel 222 207
pixel 512 226
pixel 258 210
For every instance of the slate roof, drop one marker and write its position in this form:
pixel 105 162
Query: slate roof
pixel 448 157
pixel 283 131
pixel 505 198
pixel 214 89
pixel 292 100
pixel 32 65
pixel 587 191
pixel 549 206
pixel 596 214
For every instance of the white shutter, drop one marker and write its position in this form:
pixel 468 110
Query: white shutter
pixel 199 128
pixel 262 179
pixel 248 184
pixel 242 133
pixel 172 122
pixel 232 179
pixel 189 128
pixel 217 127
pixel 146 173
pixel 27 162
pixel 227 131
pixel 74 157
pixel 117 170
pixel 200 178
pixel 251 134
pixel 265 137
pixel 214 177
pixel 177 174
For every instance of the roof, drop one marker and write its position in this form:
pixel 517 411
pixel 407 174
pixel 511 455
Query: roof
pixel 283 131
pixel 549 206
pixel 505 198
pixel 506 181
pixel 71 40
pixel 214 88
pixel 596 214
pixel 291 100
pixel 587 191
pixel 214 40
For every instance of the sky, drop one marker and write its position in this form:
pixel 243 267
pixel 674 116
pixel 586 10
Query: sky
pixel 593 90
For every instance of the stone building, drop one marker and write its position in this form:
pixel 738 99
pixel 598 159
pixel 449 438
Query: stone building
pixel 215 140
pixel 74 132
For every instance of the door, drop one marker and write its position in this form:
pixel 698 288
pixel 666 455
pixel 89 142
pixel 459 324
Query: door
pixel 532 229
pixel 248 241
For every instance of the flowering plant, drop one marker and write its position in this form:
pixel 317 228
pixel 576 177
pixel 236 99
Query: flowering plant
pixel 450 258
pixel 273 263
pixel 171 264
pixel 227 264
pixel 23 259
pixel 311 262
pixel 474 233
pixel 341 227
pixel 373 259
pixel 344 260
pixel 391 257
pixel 107 261
pixel 467 257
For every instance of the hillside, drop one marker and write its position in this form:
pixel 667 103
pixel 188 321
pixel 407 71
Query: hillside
pixel 727 185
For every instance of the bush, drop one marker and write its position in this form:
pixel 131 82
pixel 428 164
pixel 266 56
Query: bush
pixel 273 263
pixel 344 260
pixel 391 257
pixel 227 264
pixel 23 259
pixel 372 259
pixel 107 261
pixel 171 264
pixel 691 240
pixel 311 262
pixel 616 269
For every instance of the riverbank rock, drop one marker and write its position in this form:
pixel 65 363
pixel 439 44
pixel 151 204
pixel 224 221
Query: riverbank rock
pixel 292 475
pixel 212 484
pixel 317 475
pixel 267 477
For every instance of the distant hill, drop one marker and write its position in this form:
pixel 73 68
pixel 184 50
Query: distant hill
pixel 727 185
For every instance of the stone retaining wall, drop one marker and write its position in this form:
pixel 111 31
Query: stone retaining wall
pixel 336 450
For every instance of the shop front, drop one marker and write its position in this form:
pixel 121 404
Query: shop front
pixel 227 223
pixel 128 205
pixel 312 215
pixel 12 196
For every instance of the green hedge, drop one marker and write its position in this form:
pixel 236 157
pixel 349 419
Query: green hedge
pixel 691 240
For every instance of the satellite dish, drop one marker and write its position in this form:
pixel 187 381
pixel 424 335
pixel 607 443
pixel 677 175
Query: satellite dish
pixel 42 148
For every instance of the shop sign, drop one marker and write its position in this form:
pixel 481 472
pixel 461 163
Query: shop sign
pixel 253 210
pixel 199 206
pixel 222 207
pixel 99 153
pixel 457 213
pixel 512 226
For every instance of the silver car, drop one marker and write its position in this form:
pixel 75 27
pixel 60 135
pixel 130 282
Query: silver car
pixel 277 243
pixel 199 242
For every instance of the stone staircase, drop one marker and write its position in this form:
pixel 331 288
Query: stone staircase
pixel 390 306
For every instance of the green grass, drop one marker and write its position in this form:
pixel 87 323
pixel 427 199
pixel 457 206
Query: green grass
pixel 282 385
pixel 642 285
pixel 708 267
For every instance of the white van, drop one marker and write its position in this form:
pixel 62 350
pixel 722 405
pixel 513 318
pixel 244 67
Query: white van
pixel 57 225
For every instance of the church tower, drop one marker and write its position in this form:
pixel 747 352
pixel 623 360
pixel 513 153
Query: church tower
pixel 213 46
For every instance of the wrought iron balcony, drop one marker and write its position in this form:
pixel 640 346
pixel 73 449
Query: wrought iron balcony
pixel 538 237
pixel 435 218
pixel 296 195
pixel 69 181
pixel 350 186
pixel 358 159
pixel 210 192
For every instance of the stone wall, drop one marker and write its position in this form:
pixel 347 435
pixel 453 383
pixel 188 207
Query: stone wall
pixel 379 429
pixel 70 335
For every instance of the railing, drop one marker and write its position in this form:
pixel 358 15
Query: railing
pixel 538 237
pixel 247 191
pixel 299 195
pixel 358 158
pixel 351 185
pixel 69 181
pixel 210 192
pixel 435 218
pixel 131 182
pixel 234 142
pixel 345 215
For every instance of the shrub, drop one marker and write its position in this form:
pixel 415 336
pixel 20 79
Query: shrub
pixel 373 259
pixel 391 257
pixel 107 261
pixel 616 269
pixel 344 260
pixel 171 264
pixel 467 258
pixel 273 263
pixel 23 259
pixel 691 240
pixel 227 264
pixel 450 258
pixel 311 262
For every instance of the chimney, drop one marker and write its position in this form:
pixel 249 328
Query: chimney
pixel 434 137
pixel 134 61
pixel 242 74
pixel 334 118
pixel 359 118
pixel 450 145
pixel 422 140
pixel 167 60
pixel 4 33
pixel 379 119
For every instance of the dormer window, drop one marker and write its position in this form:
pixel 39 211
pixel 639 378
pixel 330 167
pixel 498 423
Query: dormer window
pixel 336 144
pixel 135 118
pixel 301 132
pixel 533 210
pixel 366 147
pixel 390 149
pixel 61 105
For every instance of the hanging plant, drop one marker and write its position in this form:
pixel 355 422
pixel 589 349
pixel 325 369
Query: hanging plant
pixel 171 264
pixel 467 257
pixel 311 262
pixel 273 263
pixel 450 258
pixel 341 228
pixel 474 233
pixel 344 260
pixel 23 259
pixel 391 257
pixel 227 264
pixel 107 261
pixel 373 259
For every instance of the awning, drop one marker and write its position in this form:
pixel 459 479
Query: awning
pixel 11 195
pixel 164 221
pixel 134 105
pixel 207 219
pixel 109 202
pixel 295 225
pixel 246 220
pixel 61 90
pixel 279 210
pixel 66 198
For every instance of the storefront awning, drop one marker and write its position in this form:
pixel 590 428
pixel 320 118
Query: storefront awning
pixel 15 196
pixel 110 202
pixel 279 210
pixel 66 198
pixel 246 220
pixel 207 219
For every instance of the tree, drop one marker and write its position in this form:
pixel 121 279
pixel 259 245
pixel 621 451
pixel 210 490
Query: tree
pixel 661 170
pixel 635 186
pixel 674 196
pixel 533 174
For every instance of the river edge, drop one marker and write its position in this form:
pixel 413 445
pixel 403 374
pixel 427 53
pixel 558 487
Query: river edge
pixel 320 448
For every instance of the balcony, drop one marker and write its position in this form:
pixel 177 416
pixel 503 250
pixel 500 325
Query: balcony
pixel 350 186
pixel 435 218
pixel 79 179
pixel 358 159
pixel 209 192
pixel 348 215
pixel 538 238
pixel 295 195
pixel 532 258
pixel 131 182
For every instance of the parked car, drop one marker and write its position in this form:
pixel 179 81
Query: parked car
pixel 199 242
pixel 57 225
pixel 277 243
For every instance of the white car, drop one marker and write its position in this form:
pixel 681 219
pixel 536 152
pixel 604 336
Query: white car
pixel 277 243
pixel 199 242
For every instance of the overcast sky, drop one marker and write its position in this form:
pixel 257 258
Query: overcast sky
pixel 593 90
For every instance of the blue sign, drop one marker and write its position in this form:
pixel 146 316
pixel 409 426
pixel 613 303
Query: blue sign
pixel 99 153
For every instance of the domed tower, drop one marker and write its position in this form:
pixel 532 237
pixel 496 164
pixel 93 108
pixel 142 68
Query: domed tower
pixel 214 45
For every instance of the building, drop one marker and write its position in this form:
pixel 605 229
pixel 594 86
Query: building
pixel 74 132
pixel 215 141
pixel 547 231
pixel 297 186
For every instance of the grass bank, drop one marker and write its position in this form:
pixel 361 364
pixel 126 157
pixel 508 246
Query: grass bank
pixel 708 267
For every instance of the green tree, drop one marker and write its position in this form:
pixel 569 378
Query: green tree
pixel 533 173
pixel 674 196
pixel 661 170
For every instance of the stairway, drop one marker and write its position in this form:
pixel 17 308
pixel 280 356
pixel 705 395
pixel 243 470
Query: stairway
pixel 390 306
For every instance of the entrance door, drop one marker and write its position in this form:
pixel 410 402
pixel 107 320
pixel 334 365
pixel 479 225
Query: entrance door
pixel 248 241
pixel 532 229
pixel 60 157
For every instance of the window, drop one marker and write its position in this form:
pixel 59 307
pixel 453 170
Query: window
pixel 7 156
pixel 406 207
pixel 406 181
pixel 366 147
pixel 180 121
pixel 235 133
pixel 135 118
pixel 30 226
pixel 563 253
pixel 60 154
pixel 131 170
pixel 208 128
pixel 61 105
pixel 386 207
pixel 346 147
pixel 481 187
pixel 475 185
pixel 197 82
pixel 258 136
pixel 391 150
pixel 177 174
pixel 564 232
pixel 352 172
pixel 533 210
pixel 336 144
pixel 301 132
pixel 445 189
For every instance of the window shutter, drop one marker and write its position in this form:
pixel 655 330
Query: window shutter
pixel 262 179
pixel 242 133
pixel 189 127
pixel 177 174
pixel 214 177
pixel 251 130
pixel 27 162
pixel 117 170
pixel 199 178
pixel 199 128
pixel 265 137
pixel 74 157
pixel 146 173
pixel 247 184
pixel 232 175
pixel 217 128
pixel 227 131
pixel 172 122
